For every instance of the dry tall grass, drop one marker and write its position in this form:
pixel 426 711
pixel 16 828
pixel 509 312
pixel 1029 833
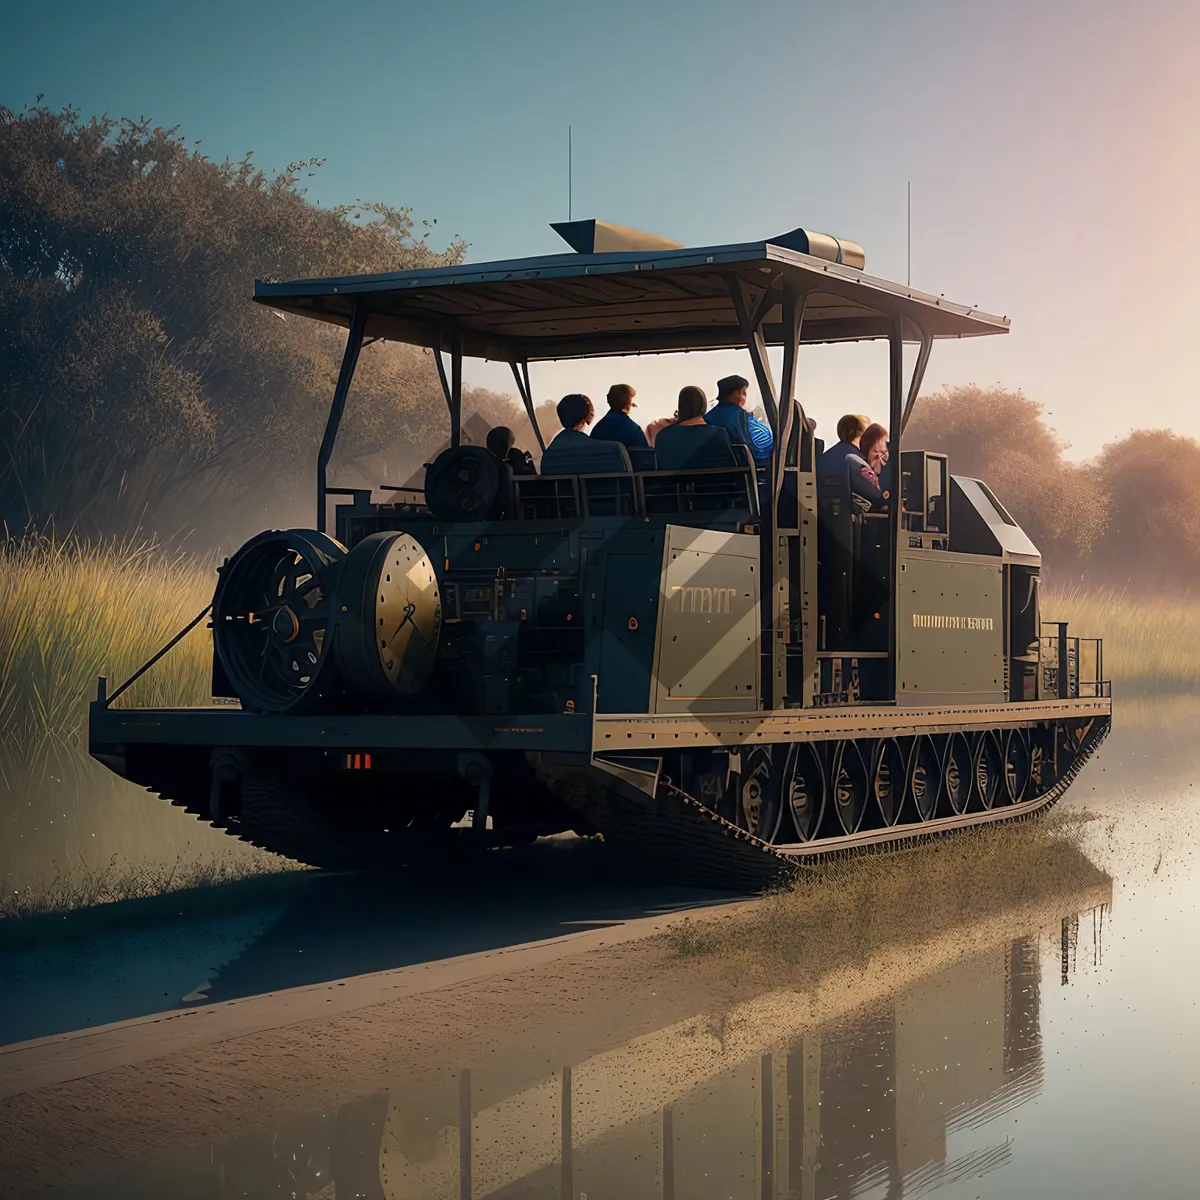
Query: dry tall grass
pixel 1145 639
pixel 843 913
pixel 70 612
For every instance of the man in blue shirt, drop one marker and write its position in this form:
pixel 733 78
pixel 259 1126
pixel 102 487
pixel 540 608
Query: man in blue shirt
pixel 730 413
pixel 617 425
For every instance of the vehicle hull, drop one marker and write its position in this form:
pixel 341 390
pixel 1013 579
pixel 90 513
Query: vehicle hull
pixel 294 784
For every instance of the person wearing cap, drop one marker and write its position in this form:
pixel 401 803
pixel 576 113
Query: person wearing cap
pixel 617 425
pixel 730 413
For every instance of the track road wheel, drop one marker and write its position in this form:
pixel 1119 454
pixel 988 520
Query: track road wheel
pixel 1016 765
pixel 957 773
pixel 923 779
pixel 1042 758
pixel 804 790
pixel 989 770
pixel 759 800
pixel 887 779
pixel 851 786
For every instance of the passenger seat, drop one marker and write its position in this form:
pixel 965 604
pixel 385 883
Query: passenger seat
pixel 585 457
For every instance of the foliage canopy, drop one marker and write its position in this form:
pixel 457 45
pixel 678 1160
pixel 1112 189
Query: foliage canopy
pixel 137 378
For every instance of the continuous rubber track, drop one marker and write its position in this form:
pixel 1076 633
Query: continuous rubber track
pixel 689 841
pixel 672 831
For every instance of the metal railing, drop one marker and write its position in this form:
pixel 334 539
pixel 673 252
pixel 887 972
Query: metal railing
pixel 1071 667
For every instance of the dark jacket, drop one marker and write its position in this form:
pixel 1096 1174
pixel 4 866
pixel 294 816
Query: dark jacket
pixel 743 429
pixel 844 461
pixel 619 427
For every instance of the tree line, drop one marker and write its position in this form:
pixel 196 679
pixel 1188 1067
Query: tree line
pixel 141 391
pixel 139 388
pixel 1128 518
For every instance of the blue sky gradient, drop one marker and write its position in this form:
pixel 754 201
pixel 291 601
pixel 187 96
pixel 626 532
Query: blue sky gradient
pixel 1053 152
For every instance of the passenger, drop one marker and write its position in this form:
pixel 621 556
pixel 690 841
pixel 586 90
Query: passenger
pixel 692 405
pixel 656 427
pixel 873 446
pixel 846 461
pixel 730 413
pixel 501 442
pixel 617 425
pixel 574 412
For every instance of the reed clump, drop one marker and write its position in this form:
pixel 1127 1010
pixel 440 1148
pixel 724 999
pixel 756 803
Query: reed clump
pixel 841 913
pixel 1146 639
pixel 86 886
pixel 70 611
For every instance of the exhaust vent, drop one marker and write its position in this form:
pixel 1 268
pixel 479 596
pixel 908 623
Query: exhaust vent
pixel 602 237
pixel 821 245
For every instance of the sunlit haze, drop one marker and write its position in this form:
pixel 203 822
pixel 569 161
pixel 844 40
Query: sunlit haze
pixel 1052 151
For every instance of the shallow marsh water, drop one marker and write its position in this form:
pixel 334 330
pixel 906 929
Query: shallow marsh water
pixel 1050 1049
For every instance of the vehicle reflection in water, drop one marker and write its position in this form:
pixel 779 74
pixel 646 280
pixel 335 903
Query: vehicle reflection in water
pixel 758 1103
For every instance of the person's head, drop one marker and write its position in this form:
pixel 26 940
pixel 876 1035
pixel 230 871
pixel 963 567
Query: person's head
pixel 850 428
pixel 575 411
pixel 500 440
pixel 874 438
pixel 693 403
pixel 620 397
pixel 732 390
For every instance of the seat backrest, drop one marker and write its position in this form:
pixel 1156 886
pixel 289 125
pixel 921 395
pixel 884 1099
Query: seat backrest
pixel 643 458
pixel 694 448
pixel 585 456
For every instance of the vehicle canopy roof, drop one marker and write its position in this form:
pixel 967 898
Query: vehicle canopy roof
pixel 644 295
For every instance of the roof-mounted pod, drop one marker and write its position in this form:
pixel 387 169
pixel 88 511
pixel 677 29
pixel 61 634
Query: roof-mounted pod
pixel 823 245
pixel 603 237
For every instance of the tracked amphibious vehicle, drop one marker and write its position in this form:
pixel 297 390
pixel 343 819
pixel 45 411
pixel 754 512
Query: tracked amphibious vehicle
pixel 728 667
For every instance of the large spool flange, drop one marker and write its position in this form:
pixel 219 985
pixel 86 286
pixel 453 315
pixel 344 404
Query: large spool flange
pixel 272 618
pixel 389 617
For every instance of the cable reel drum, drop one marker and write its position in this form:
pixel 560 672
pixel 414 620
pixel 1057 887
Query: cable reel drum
pixel 300 625
pixel 273 609
pixel 389 617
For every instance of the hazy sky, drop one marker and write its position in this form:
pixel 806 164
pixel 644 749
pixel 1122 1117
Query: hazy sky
pixel 1053 150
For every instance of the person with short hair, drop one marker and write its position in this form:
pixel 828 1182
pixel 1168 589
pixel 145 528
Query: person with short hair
pixel 730 413
pixel 845 461
pixel 501 441
pixel 617 425
pixel 574 412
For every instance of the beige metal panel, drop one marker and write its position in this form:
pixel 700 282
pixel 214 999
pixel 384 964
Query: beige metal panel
pixel 950 641
pixel 706 653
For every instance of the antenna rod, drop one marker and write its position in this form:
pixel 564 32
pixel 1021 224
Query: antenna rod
pixel 569 172
pixel 910 233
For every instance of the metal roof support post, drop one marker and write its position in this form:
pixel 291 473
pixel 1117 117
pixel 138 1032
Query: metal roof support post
pixel 456 357
pixel 785 533
pixel 774 656
pixel 896 426
pixel 521 375
pixel 751 326
pixel 354 340
pixel 918 377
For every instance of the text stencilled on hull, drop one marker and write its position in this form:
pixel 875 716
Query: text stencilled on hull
pixel 703 599
pixel 946 621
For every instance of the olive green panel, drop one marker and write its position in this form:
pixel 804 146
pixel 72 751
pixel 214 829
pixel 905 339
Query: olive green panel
pixel 706 656
pixel 950 641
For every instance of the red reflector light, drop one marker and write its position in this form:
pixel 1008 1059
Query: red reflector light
pixel 367 761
